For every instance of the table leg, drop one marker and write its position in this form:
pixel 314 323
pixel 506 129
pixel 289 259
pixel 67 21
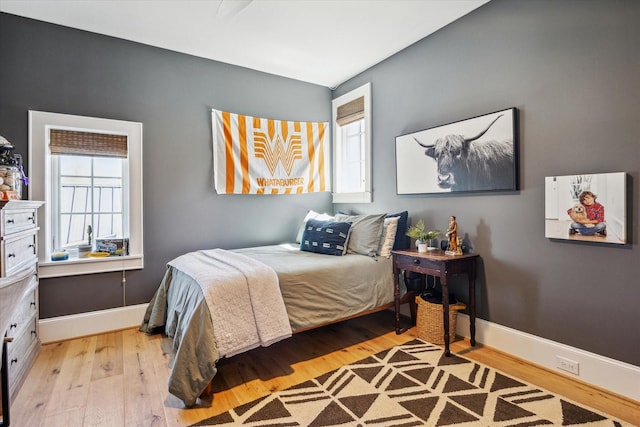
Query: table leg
pixel 472 302
pixel 445 313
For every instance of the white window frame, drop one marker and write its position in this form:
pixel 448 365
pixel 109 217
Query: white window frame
pixel 364 196
pixel 40 189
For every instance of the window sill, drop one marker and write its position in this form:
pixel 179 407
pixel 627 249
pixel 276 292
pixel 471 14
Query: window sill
pixel 364 197
pixel 79 266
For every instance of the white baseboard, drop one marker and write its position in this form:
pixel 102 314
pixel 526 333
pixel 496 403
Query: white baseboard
pixel 91 323
pixel 609 374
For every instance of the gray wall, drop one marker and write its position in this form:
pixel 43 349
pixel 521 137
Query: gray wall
pixel 52 68
pixel 572 68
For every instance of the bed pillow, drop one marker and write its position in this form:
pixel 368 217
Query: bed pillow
pixel 365 232
pixel 311 215
pixel 325 237
pixel 401 241
pixel 389 230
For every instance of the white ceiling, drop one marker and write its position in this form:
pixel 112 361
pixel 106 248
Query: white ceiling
pixel 299 39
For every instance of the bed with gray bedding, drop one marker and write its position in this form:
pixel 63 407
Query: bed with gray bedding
pixel 316 289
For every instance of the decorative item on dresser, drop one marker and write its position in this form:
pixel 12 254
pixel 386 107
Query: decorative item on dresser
pixel 18 295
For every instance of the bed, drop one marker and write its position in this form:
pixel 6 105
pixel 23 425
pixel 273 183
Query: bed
pixel 284 289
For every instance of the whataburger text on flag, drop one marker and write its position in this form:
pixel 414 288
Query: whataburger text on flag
pixel 252 155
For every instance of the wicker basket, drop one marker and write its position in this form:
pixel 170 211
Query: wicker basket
pixel 430 322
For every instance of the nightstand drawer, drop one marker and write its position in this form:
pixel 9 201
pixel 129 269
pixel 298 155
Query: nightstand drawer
pixel 419 264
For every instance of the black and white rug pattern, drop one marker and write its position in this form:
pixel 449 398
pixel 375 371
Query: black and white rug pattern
pixel 413 385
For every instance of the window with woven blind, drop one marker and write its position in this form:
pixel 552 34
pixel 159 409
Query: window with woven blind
pixel 89 173
pixel 352 146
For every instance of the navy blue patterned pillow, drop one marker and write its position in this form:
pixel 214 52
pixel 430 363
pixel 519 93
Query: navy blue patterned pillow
pixel 325 237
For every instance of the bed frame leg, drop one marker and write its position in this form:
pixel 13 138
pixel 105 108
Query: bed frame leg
pixel 208 390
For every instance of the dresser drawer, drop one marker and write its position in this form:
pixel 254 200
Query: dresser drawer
pixel 26 308
pixel 22 351
pixel 18 220
pixel 18 251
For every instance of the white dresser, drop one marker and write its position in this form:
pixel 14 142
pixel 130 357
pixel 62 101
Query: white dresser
pixel 18 292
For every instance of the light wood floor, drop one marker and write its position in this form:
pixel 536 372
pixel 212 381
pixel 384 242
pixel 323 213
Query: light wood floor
pixel 120 378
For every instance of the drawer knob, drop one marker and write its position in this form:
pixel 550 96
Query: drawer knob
pixel 416 261
pixel 32 304
pixel 11 221
pixel 14 360
pixel 33 332
pixel 30 218
pixel 12 255
pixel 13 326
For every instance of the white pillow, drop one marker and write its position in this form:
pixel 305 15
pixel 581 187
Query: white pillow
pixel 312 215
pixel 390 229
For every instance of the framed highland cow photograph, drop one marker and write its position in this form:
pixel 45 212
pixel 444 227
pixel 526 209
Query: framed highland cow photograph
pixel 586 207
pixel 479 154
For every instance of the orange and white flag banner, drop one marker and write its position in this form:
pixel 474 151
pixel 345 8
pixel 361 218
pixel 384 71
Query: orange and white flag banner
pixel 264 156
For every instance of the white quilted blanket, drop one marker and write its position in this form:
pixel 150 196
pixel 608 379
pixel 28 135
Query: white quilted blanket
pixel 243 296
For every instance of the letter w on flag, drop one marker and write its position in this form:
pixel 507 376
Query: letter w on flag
pixel 252 155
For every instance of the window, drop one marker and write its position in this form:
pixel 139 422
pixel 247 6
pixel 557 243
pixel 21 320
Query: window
pixel 88 195
pixel 351 114
pixel 89 173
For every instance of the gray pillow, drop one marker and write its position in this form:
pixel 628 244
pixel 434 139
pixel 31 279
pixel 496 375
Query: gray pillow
pixel 366 231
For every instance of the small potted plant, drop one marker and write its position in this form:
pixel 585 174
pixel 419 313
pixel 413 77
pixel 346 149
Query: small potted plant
pixel 423 238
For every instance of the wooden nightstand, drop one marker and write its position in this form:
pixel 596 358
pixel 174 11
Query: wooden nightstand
pixel 442 266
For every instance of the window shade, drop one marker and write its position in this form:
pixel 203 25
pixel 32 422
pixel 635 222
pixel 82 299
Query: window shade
pixel 350 112
pixel 87 143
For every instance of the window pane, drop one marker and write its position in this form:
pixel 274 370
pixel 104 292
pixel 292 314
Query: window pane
pixel 107 166
pixel 117 200
pixel 108 226
pixel 66 198
pixel 90 192
pixel 352 165
pixel 79 199
pixel 64 227
pixel 103 199
pixel 73 229
pixel 355 128
pixel 75 165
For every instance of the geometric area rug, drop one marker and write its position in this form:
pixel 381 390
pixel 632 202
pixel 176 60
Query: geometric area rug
pixel 413 384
